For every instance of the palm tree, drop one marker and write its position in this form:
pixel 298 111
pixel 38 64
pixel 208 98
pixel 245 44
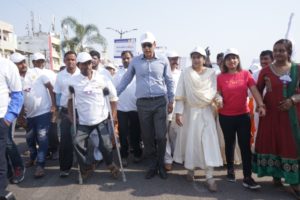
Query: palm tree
pixel 84 35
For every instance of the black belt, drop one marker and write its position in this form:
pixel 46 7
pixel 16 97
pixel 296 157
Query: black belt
pixel 151 98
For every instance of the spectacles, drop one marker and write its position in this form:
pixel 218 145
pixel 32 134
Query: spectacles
pixel 147 44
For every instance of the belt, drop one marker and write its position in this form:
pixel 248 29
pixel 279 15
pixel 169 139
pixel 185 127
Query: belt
pixel 64 110
pixel 151 98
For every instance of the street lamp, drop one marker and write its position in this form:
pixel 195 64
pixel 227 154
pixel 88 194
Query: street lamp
pixel 121 32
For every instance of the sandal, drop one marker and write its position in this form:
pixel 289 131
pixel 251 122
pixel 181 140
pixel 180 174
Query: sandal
pixel 114 170
pixel 39 172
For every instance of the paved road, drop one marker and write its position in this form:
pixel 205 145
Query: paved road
pixel 101 186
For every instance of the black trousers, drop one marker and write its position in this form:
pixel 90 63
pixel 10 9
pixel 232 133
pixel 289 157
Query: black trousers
pixel 240 125
pixel 130 133
pixel 3 165
pixel 66 142
pixel 153 119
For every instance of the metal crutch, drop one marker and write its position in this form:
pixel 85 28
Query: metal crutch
pixel 106 95
pixel 80 180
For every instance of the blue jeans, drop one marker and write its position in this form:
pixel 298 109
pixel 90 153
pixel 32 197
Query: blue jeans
pixel 13 156
pixel 37 133
pixel 3 165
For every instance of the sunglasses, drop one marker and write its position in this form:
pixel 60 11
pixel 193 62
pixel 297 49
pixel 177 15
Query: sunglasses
pixel 147 44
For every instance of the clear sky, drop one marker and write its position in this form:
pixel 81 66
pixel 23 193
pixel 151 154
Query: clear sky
pixel 250 26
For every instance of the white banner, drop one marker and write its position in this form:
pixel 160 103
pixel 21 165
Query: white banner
pixel 124 45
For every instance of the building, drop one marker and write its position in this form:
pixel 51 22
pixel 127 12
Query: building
pixel 8 41
pixel 48 44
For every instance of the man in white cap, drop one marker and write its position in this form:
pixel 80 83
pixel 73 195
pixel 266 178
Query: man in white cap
pixel 10 106
pixel 38 61
pixel 155 95
pixel 111 68
pixel 61 88
pixel 39 104
pixel 16 169
pixel 173 128
pixel 93 114
pixel 128 120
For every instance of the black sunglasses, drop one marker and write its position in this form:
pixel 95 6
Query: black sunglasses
pixel 147 44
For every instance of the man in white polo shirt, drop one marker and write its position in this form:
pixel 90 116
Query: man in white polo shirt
pixel 39 104
pixel 10 106
pixel 92 112
pixel 61 88
pixel 38 60
pixel 129 125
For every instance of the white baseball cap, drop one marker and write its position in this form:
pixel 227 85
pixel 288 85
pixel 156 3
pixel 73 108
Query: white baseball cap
pixel 233 51
pixel 38 56
pixel 111 65
pixel 172 54
pixel 17 57
pixel 199 50
pixel 83 57
pixel 147 37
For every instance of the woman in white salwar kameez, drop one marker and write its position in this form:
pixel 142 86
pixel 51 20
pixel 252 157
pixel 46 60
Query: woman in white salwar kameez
pixel 197 143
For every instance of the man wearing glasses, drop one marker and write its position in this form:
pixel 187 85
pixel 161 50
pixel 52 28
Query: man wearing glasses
pixel 155 96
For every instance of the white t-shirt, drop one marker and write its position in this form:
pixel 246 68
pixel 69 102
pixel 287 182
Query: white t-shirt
pixel 61 85
pixel 90 102
pixel 9 82
pixel 127 100
pixel 175 75
pixel 105 73
pixel 51 75
pixel 37 100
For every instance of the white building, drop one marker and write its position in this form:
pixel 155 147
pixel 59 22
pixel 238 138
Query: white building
pixel 45 43
pixel 8 42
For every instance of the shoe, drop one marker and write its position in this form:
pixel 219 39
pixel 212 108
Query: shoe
pixel 8 196
pixel 212 185
pixel 250 183
pixel 231 176
pixel 277 182
pixel 124 162
pixel 39 172
pixel 114 170
pixel 168 166
pixel 19 174
pixel 137 159
pixel 64 173
pixel 162 173
pixel 150 173
pixel 55 156
pixel 29 163
pixel 190 176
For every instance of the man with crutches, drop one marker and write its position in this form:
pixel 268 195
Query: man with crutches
pixel 93 112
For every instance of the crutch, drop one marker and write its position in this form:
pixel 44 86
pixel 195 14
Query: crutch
pixel 80 180
pixel 106 94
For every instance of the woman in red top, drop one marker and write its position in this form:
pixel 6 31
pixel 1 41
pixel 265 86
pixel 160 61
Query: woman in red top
pixel 277 148
pixel 233 85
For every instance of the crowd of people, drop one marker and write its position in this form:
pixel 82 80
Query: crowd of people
pixel 161 112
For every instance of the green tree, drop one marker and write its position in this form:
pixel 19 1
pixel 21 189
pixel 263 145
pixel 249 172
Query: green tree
pixel 84 35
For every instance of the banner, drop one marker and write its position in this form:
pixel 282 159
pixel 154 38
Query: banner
pixel 121 45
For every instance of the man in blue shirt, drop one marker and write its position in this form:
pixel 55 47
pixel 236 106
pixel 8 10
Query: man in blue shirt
pixel 10 106
pixel 155 96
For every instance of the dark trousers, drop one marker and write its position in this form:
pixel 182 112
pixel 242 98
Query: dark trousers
pixel 53 138
pixel 129 130
pixel 3 165
pixel 153 120
pixel 13 156
pixel 84 148
pixel 37 133
pixel 240 125
pixel 66 142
